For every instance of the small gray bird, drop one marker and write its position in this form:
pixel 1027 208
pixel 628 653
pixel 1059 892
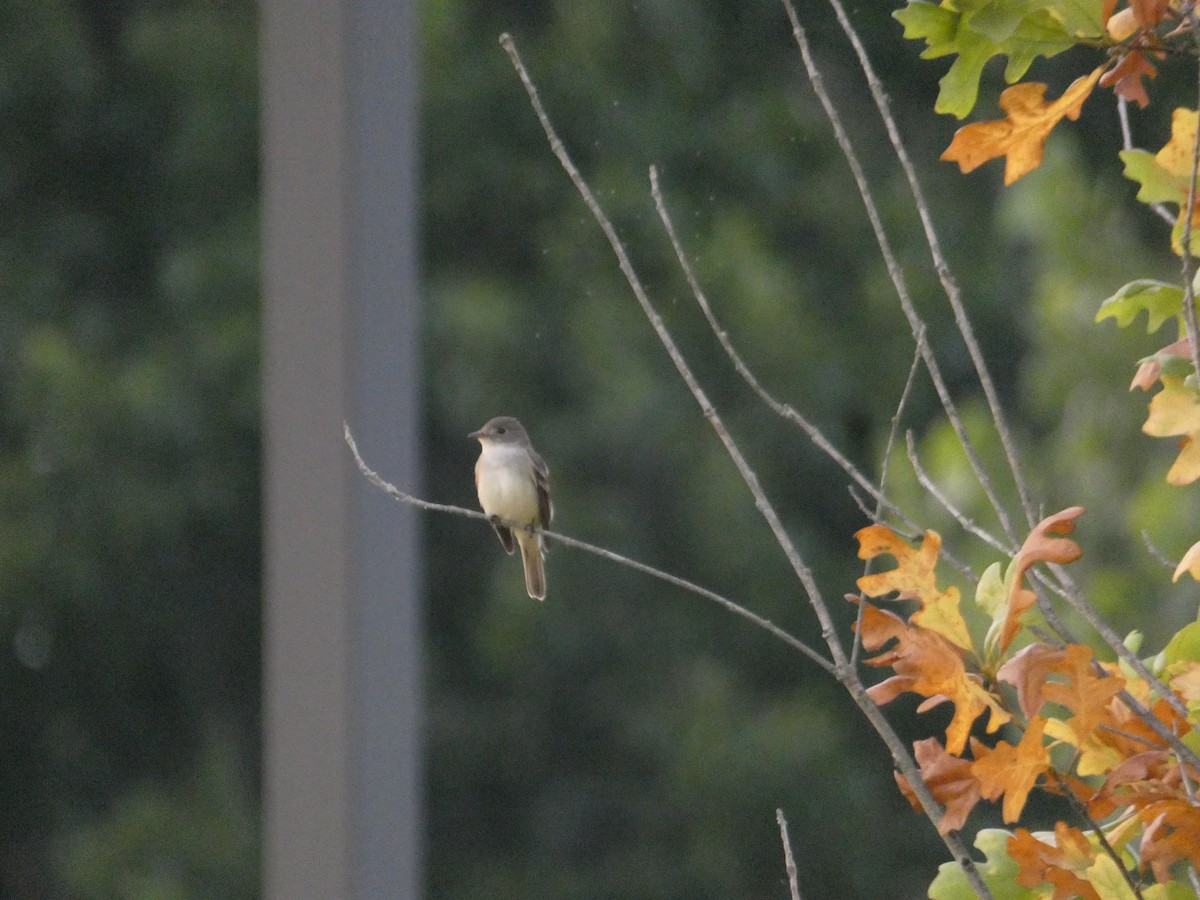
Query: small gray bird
pixel 514 486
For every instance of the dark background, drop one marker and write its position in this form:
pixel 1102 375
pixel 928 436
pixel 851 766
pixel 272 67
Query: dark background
pixel 624 738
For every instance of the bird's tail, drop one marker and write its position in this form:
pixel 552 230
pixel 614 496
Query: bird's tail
pixel 531 558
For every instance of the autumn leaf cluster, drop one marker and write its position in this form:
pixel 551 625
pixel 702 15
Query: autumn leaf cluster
pixel 1130 40
pixel 1047 716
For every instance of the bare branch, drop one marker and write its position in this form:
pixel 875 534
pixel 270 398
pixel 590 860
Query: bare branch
pixel 896 274
pixel 949 285
pixel 1189 261
pixel 893 433
pixel 788 860
pixel 568 541
pixel 782 409
pixel 939 495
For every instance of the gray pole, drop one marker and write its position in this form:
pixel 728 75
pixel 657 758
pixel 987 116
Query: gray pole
pixel 342 625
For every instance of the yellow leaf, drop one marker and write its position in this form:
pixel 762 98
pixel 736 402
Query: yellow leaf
pixel 1176 155
pixel 1020 137
pixel 1190 563
pixel 1175 412
pixel 914 578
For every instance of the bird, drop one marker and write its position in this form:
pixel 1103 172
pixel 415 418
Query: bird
pixel 513 483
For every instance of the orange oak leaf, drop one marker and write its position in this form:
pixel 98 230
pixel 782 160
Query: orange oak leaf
pixel 949 779
pixel 1011 770
pixel 1175 412
pixel 1171 835
pixel 1022 136
pixel 926 663
pixel 1063 864
pixel 1044 544
pixel 1042 674
pixel 1082 691
pixel 914 578
pixel 1125 78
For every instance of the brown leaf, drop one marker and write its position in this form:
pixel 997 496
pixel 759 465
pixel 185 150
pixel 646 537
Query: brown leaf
pixel 1125 78
pixel 1171 835
pixel 1042 545
pixel 1149 12
pixel 1022 135
pixel 950 781
pixel 1063 864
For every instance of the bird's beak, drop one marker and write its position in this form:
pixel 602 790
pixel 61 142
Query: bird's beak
pixel 475 435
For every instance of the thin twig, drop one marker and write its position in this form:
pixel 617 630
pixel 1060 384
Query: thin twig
pixel 781 409
pixel 788 861
pixel 1189 261
pixel 844 673
pixel 1084 813
pixel 896 274
pixel 939 495
pixel 567 541
pixel 949 285
pixel 893 433
pixel 1156 552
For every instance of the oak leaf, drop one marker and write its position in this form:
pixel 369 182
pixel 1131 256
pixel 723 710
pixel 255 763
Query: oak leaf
pixel 926 663
pixel 974 33
pixel 1175 412
pixel 1125 78
pixel 914 578
pixel 950 781
pixel 1044 544
pixel 1160 300
pixel 1165 176
pixel 1042 674
pixel 1171 835
pixel 1011 770
pixel 1022 135
pixel 1063 864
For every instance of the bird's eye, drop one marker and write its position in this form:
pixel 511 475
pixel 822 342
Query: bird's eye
pixel 500 430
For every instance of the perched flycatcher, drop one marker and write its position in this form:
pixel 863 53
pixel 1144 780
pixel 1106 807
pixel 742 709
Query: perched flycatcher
pixel 514 486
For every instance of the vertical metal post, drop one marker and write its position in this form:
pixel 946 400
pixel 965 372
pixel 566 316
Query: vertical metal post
pixel 342 621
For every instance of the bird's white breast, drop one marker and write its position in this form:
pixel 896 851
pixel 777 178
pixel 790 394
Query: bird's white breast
pixel 504 477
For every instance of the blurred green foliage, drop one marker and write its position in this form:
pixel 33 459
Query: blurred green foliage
pixel 129 522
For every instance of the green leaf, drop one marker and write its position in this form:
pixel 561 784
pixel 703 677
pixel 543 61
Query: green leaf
pixel 998 869
pixel 1157 184
pixel 1185 645
pixel 989 595
pixel 1160 300
pixel 977 30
